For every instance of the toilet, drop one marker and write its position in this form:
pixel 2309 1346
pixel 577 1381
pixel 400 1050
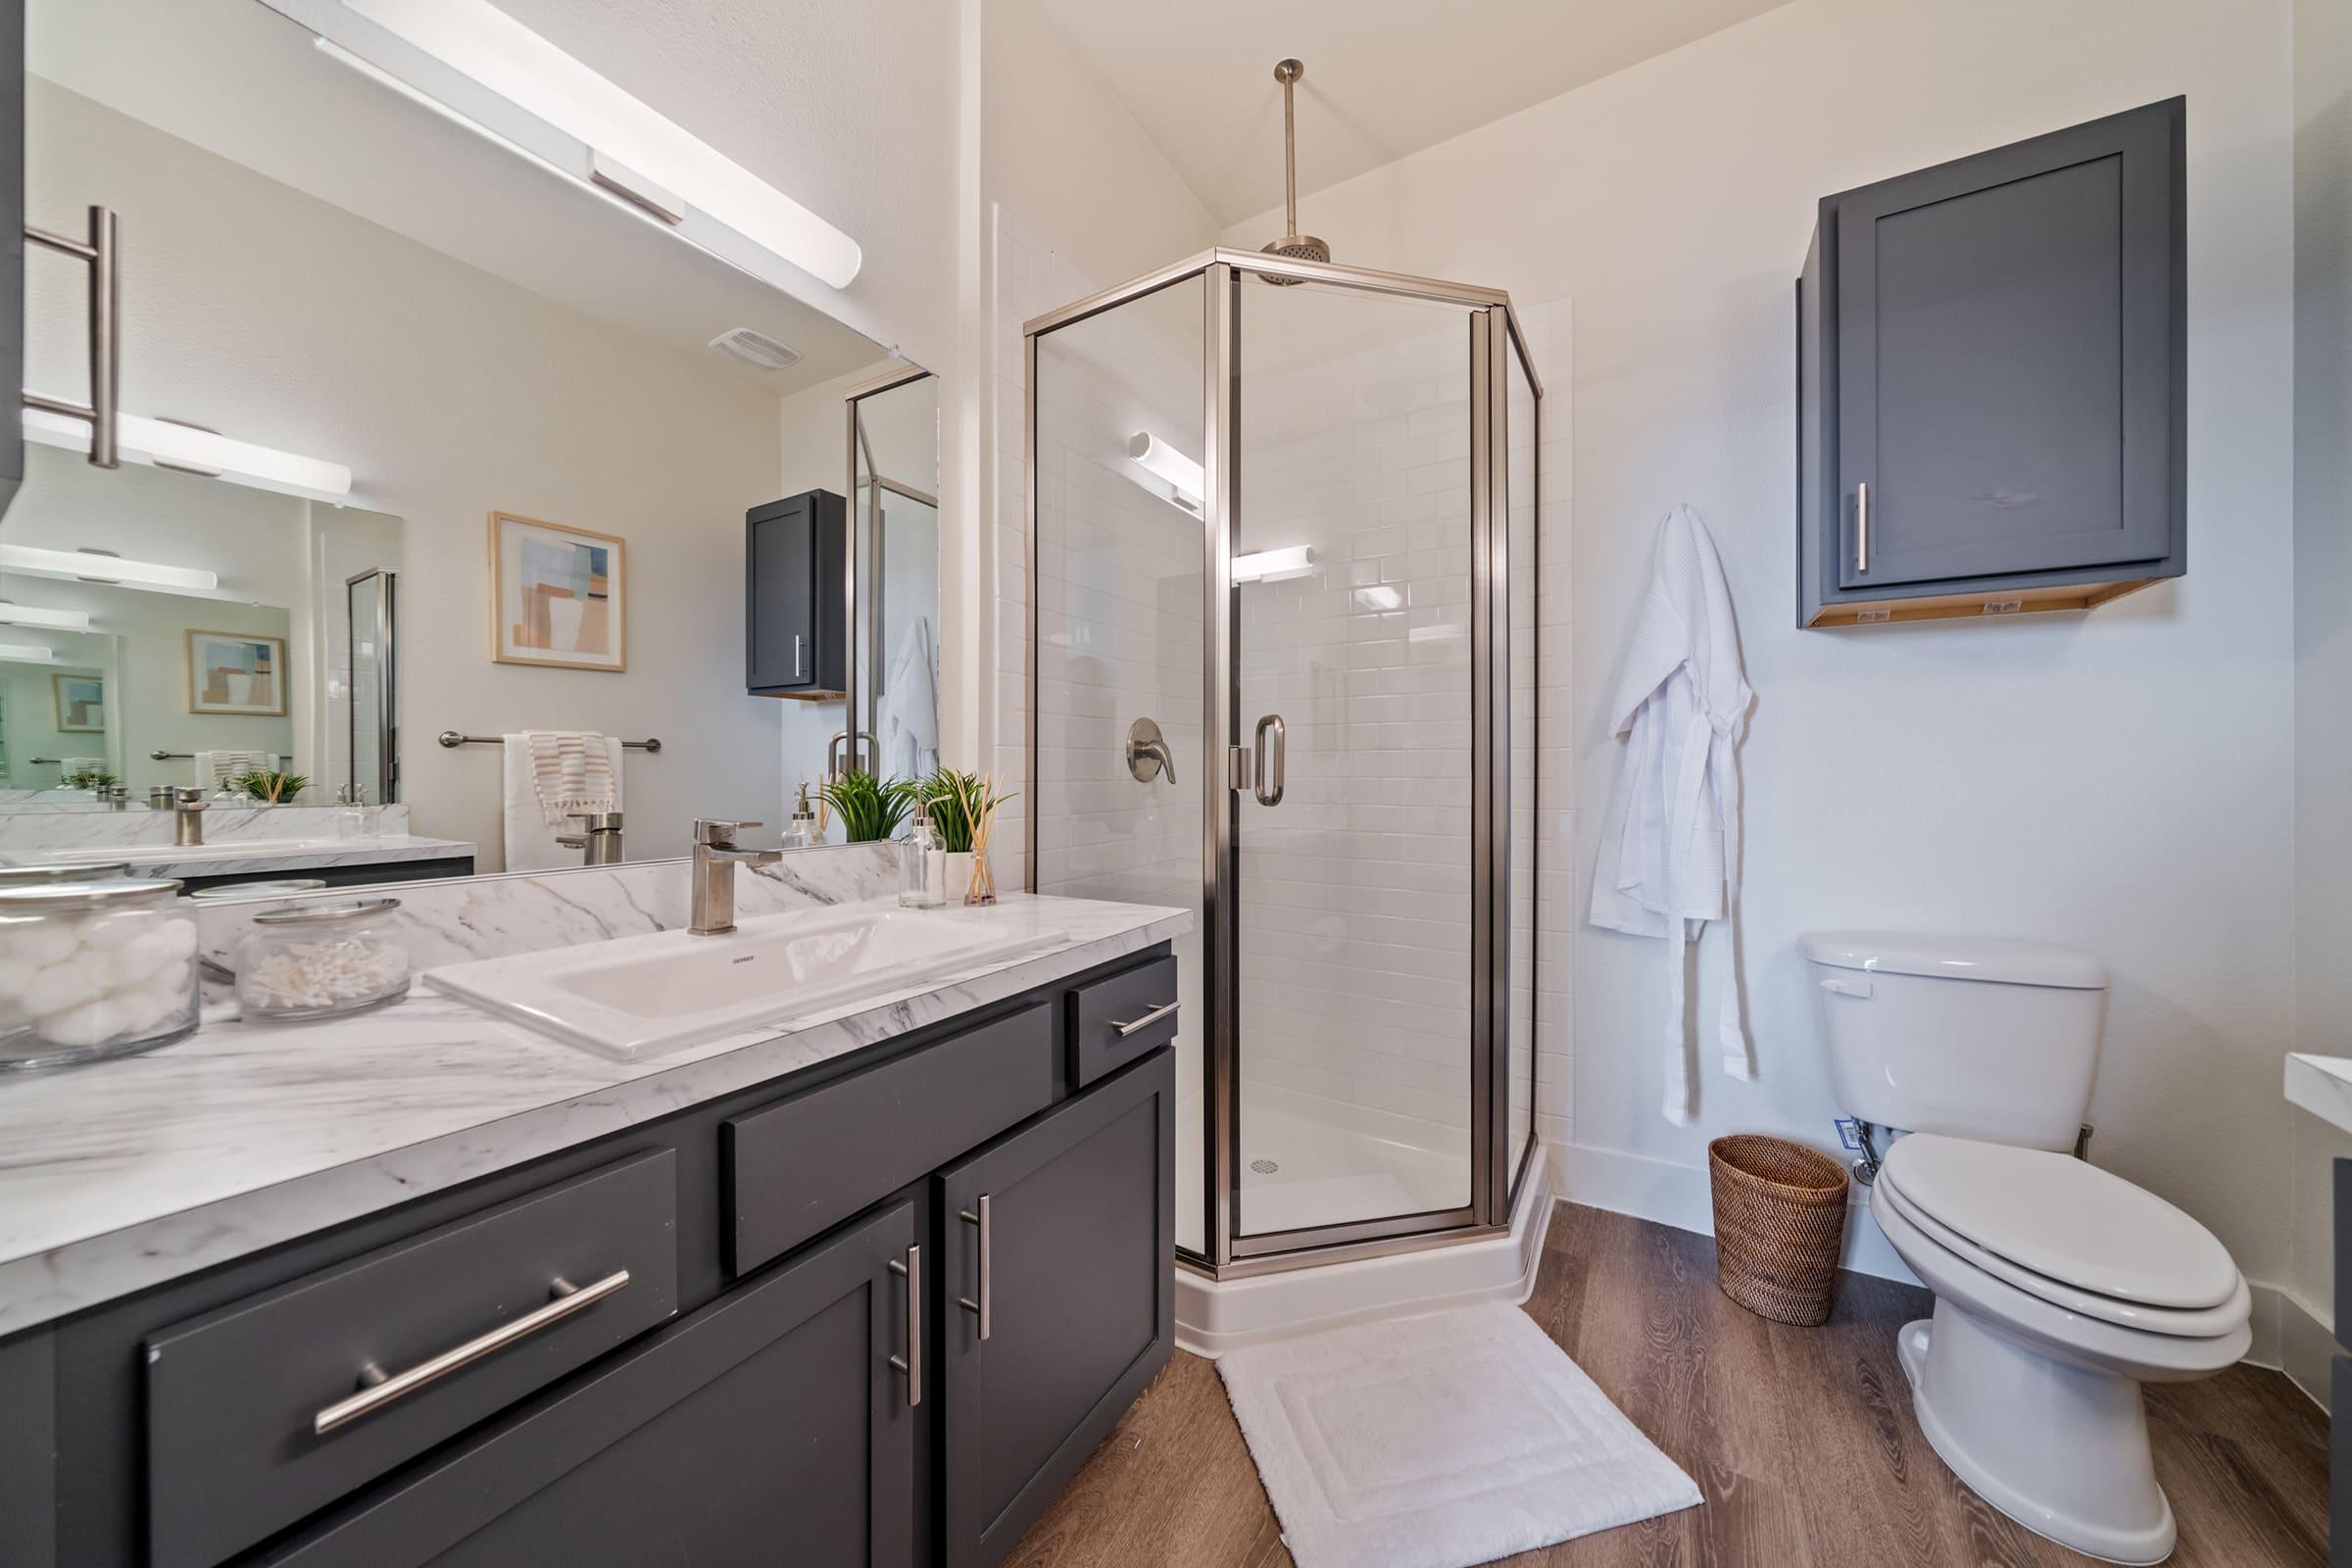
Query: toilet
pixel 2060 1288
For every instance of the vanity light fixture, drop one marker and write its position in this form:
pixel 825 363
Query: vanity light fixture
pixel 28 654
pixel 168 444
pixel 97 566
pixel 1274 565
pixel 632 149
pixel 1171 468
pixel 36 615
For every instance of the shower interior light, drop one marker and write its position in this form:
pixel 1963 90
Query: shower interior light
pixel 36 615
pixel 1273 565
pixel 633 149
pixel 1171 468
pixel 93 567
pixel 184 446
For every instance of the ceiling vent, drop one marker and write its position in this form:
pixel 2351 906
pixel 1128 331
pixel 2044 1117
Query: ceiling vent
pixel 755 349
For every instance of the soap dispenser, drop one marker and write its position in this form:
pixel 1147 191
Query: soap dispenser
pixel 801 833
pixel 922 864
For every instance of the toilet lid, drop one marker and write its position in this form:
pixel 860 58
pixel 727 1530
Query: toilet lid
pixel 2064 1218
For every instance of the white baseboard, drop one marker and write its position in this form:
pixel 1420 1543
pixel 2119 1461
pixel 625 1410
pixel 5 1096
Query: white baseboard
pixel 1678 1196
pixel 2302 1343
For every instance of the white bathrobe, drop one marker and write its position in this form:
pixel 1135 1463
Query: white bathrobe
pixel 1669 857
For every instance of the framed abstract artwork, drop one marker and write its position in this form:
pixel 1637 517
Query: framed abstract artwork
pixel 81 703
pixel 559 595
pixel 236 672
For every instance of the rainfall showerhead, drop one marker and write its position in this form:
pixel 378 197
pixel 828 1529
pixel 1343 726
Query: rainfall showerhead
pixel 1300 247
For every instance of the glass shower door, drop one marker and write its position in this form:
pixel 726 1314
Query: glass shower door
pixel 1351 904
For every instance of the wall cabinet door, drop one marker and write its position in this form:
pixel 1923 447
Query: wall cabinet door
pixel 796 587
pixel 773 1426
pixel 1060 1287
pixel 2000 380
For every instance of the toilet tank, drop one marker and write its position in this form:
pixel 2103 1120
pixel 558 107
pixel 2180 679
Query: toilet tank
pixel 1967 1036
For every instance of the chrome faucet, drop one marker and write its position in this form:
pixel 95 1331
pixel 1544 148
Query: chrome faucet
pixel 187 814
pixel 713 913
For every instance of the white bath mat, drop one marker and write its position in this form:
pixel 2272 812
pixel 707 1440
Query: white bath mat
pixel 1439 1441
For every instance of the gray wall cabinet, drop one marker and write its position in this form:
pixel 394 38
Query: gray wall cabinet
pixel 790 1373
pixel 1991 381
pixel 796 582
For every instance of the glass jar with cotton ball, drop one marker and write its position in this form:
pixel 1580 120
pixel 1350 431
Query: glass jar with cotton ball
pixel 93 968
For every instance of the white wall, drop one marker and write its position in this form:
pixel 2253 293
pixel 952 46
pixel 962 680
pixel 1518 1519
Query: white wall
pixel 2323 637
pixel 2121 780
pixel 286 321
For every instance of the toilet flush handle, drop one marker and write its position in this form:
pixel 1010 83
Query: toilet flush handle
pixel 1848 988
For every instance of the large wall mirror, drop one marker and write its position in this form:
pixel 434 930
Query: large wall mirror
pixel 429 528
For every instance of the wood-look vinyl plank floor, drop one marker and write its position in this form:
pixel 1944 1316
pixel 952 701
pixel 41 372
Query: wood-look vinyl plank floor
pixel 1802 1441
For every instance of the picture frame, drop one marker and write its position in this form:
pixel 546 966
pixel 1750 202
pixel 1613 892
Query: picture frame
pixel 80 702
pixel 238 674
pixel 559 595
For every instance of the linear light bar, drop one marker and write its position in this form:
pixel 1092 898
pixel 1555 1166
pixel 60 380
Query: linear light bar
pixel 162 443
pixel 1171 467
pixel 1273 565
pixel 624 134
pixel 35 615
pixel 91 566
pixel 26 652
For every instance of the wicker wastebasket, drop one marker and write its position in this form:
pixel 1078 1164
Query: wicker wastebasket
pixel 1779 1214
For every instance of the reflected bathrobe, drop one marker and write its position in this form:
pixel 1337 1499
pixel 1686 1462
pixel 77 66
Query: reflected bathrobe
pixel 1669 856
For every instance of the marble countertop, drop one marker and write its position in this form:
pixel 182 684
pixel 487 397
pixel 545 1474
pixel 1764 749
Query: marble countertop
pixel 2323 1086
pixel 219 860
pixel 117 1176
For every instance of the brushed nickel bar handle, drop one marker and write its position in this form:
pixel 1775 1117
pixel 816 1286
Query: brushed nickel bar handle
pixel 1861 525
pixel 912 1364
pixel 98 252
pixel 382 1389
pixel 1133 1025
pixel 979 1309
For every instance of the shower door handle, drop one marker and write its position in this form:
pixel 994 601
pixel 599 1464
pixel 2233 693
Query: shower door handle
pixel 1271 760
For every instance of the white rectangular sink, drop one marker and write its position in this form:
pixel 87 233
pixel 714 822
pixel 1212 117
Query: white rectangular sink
pixel 639 997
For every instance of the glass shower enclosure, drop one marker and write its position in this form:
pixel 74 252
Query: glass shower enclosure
pixel 1281 669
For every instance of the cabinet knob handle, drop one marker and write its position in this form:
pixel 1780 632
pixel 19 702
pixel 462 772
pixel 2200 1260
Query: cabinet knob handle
pixel 1862 526
pixel 379 1388
pixel 979 1309
pixel 912 1364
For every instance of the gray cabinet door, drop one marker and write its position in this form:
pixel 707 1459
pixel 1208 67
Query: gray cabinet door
pixel 796 587
pixel 2008 358
pixel 773 1426
pixel 1076 1288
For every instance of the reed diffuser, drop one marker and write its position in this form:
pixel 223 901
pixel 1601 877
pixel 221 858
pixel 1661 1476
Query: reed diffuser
pixel 963 810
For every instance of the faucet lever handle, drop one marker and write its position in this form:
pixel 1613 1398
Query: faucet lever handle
pixel 718 831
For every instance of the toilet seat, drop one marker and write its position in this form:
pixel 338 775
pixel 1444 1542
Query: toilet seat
pixel 2065 1223
pixel 2200 1323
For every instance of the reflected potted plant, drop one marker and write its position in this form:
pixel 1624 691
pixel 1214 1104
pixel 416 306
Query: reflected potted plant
pixel 90 779
pixel 963 811
pixel 271 789
pixel 870 808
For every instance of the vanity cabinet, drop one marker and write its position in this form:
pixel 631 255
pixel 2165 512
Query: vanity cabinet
pixel 1991 372
pixel 797 597
pixel 798 1367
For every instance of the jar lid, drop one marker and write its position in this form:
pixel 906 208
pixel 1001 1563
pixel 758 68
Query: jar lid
pixel 18 876
pixel 41 896
pixel 340 910
pixel 284 888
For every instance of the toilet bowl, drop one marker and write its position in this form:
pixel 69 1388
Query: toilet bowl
pixel 2059 1290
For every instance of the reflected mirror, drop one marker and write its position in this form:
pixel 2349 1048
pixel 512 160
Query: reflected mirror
pixel 428 538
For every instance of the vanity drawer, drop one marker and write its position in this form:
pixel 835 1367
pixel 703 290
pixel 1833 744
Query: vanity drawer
pixel 1121 1019
pixel 805 1164
pixel 462 1321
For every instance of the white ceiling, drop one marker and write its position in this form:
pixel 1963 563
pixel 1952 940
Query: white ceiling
pixel 242 81
pixel 1384 78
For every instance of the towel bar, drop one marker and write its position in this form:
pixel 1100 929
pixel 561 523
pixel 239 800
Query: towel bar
pixel 451 738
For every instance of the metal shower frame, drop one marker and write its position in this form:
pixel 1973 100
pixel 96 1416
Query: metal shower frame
pixel 1496 337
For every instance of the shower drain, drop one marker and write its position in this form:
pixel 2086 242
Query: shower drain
pixel 1264 1167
